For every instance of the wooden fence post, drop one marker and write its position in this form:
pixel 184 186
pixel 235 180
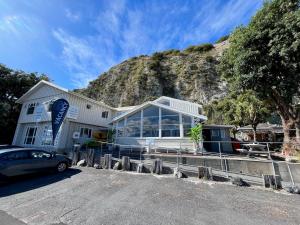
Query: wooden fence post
pixel 205 173
pixel 125 163
pixel 107 161
pixel 157 166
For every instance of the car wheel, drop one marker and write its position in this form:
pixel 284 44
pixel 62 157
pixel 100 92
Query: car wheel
pixel 61 167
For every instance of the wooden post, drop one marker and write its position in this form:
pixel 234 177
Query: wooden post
pixel 76 154
pixel 157 166
pixel 205 173
pixel 271 181
pixel 107 161
pixel 90 157
pixel 125 163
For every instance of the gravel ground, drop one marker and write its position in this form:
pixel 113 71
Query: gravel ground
pixel 95 197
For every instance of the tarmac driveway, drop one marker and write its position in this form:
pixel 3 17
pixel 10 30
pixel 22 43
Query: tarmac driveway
pixel 95 197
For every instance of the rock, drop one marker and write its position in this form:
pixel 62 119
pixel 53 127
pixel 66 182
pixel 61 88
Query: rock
pixel 296 190
pixel 117 166
pixel 181 72
pixel 293 190
pixel 289 189
pixel 178 173
pixel 97 166
pixel 239 181
pixel 81 163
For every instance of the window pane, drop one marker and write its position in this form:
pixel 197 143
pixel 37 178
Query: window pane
pixel 31 132
pixel 85 132
pixel 169 117
pixel 47 136
pixel 30 109
pixel 134 120
pixel 151 116
pixel 170 131
pixel 169 123
pixel 151 131
pixel 17 155
pixel 187 124
pixel 151 122
pixel 133 131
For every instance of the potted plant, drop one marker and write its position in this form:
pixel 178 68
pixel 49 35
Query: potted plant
pixel 196 136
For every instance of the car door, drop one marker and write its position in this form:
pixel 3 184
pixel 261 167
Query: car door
pixel 15 163
pixel 41 160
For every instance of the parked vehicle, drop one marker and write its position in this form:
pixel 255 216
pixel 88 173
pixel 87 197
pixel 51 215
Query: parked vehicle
pixel 21 161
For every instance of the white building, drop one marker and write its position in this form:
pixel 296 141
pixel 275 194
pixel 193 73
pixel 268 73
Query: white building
pixel 164 122
pixel 34 125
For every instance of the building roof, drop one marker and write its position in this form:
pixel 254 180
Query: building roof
pixel 218 126
pixel 155 103
pixel 43 82
pixel 262 127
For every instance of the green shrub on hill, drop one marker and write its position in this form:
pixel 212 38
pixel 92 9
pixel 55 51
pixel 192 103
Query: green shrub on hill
pixel 223 38
pixel 199 48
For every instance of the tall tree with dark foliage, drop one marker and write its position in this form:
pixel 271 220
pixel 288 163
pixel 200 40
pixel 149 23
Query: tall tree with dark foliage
pixel 13 84
pixel 265 57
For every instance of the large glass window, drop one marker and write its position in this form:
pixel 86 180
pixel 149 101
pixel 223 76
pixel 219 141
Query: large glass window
pixel 151 122
pixel 133 126
pixel 30 136
pixel 169 124
pixel 187 124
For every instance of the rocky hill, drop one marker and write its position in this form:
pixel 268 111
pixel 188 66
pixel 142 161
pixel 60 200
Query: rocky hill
pixel 189 75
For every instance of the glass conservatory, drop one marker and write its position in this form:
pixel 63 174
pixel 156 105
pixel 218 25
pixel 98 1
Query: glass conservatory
pixel 154 122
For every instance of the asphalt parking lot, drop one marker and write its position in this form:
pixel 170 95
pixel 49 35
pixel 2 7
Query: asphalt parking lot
pixel 89 196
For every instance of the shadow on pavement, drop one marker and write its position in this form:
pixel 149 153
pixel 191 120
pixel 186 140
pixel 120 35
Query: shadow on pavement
pixel 26 183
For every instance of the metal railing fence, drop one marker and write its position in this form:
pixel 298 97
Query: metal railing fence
pixel 223 163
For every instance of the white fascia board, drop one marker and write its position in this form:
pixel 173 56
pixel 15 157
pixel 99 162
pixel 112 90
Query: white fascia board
pixel 35 87
pixel 43 82
pixel 131 111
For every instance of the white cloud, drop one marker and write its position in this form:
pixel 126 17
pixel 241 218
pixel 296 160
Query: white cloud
pixel 72 16
pixel 18 25
pixel 80 58
pixel 214 18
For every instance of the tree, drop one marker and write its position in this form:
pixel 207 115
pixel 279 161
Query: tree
pixel 265 57
pixel 251 110
pixel 239 110
pixel 13 84
pixel 196 135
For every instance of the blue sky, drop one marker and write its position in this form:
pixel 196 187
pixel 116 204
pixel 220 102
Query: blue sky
pixel 74 41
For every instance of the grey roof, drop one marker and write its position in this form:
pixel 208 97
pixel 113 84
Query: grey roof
pixel 263 127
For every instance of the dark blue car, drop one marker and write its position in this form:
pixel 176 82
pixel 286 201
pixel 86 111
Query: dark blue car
pixel 21 161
